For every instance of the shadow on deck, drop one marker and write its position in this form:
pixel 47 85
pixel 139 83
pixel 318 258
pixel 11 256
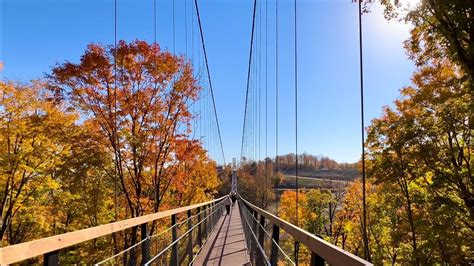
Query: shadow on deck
pixel 226 244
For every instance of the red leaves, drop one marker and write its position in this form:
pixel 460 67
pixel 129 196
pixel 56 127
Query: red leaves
pixel 138 96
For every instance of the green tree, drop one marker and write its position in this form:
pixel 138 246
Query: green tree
pixel 318 204
pixel 442 29
pixel 423 147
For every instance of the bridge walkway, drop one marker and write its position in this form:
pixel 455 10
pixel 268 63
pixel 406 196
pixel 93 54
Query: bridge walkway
pixel 226 245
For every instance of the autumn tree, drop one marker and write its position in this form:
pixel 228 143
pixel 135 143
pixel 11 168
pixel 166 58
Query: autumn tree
pixel 257 181
pixel 85 198
pixel 32 127
pixel 136 98
pixel 442 29
pixel 423 147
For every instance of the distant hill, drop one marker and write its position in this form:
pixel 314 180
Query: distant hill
pixel 322 179
pixel 311 163
pixel 315 171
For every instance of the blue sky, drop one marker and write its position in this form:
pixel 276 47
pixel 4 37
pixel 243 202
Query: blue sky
pixel 37 34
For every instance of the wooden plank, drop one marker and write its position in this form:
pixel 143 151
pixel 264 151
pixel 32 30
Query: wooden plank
pixel 23 251
pixel 226 244
pixel 333 254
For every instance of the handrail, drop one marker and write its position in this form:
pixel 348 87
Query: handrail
pixel 267 262
pixel 23 251
pixel 182 236
pixel 333 254
pixel 273 240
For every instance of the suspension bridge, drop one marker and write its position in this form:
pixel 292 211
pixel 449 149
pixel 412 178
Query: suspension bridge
pixel 202 234
pixel 229 230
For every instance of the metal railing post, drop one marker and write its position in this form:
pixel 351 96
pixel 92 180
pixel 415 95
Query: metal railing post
pixel 190 237
pixel 296 252
pixel 275 242
pixel 145 244
pixel 199 236
pixel 174 250
pixel 205 221
pixel 316 260
pixel 254 229
pixel 261 240
pixel 51 258
pixel 255 223
pixel 212 218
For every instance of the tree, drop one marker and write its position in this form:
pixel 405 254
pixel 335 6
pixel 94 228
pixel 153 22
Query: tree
pixel 423 147
pixel 136 99
pixel 442 29
pixel 32 127
pixel 348 220
pixel 256 181
pixel 318 205
pixel 288 207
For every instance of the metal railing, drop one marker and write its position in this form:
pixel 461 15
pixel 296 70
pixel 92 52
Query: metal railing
pixel 212 218
pixel 255 222
pixel 255 238
pixel 321 251
pixel 207 214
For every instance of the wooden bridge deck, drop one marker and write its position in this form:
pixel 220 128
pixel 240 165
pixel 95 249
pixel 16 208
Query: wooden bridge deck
pixel 226 245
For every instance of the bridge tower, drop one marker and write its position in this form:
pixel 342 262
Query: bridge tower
pixel 233 190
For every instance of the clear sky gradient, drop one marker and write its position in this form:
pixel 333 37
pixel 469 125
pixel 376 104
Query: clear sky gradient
pixel 37 34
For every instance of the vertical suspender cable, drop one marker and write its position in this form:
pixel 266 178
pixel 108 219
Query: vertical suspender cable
pixel 259 96
pixel 209 79
pixel 174 33
pixel 364 214
pixel 114 131
pixel 115 107
pixel 266 101
pixel 255 106
pixel 296 127
pixel 192 33
pixel 186 26
pixel 248 79
pixel 276 98
pixel 296 113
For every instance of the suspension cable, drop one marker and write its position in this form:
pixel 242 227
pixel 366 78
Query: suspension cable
pixel 276 99
pixel 154 22
pixel 209 79
pixel 364 215
pixel 296 110
pixel 266 100
pixel 186 27
pixel 174 30
pixel 115 112
pixel 258 96
pixel 296 125
pixel 248 78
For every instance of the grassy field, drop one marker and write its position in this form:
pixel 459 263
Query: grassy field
pixel 338 174
pixel 322 179
pixel 308 182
